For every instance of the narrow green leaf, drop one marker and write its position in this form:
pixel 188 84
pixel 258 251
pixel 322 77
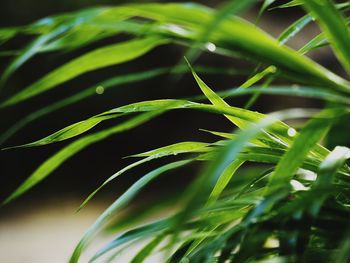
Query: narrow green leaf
pixel 6 34
pixel 294 28
pixel 85 125
pixel 174 149
pixel 327 171
pixel 264 6
pixel 147 250
pixel 303 143
pixel 258 76
pixel 199 190
pixel 107 84
pixel 68 151
pixel 121 202
pixel 239 122
pixel 132 235
pixel 241 115
pixel 318 41
pixel 292 3
pixel 67 132
pixel 223 180
pixel 229 9
pixel 102 57
pixel 213 97
pixel 294 91
pixel 29 52
pixel 334 26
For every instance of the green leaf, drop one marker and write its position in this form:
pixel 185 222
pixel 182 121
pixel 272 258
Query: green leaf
pixel 199 190
pixel 303 143
pixel 174 149
pixel 327 171
pixel 100 58
pixel 121 202
pixel 318 41
pixel 232 34
pixel 133 234
pixel 294 91
pixel 85 125
pixel 224 180
pixel 263 8
pixel 29 52
pixel 107 84
pixel 334 26
pixel 67 132
pixel 292 3
pixel 147 250
pixel 225 12
pixel 240 122
pixel 68 151
pixel 6 34
pixel 214 98
pixel 294 28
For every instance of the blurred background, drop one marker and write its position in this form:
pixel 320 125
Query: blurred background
pixel 42 226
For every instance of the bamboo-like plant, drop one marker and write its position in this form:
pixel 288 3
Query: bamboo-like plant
pixel 297 210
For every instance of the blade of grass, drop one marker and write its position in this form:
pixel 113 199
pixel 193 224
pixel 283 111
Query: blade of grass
pixel 29 52
pixel 68 151
pixel 106 85
pixel 334 26
pixel 147 250
pixel 102 57
pixel 303 143
pixel 121 202
pixel 198 191
pixel 294 91
pixel 227 10
pixel 174 149
pixel 327 171
pixel 294 28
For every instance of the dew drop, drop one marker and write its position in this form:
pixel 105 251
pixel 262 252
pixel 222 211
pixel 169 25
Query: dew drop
pixel 100 90
pixel 211 47
pixel 291 132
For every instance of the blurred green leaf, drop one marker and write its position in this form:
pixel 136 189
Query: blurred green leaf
pixel 102 57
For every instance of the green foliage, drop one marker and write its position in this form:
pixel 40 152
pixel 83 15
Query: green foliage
pixel 282 213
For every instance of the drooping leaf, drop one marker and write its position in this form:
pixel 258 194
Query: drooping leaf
pixel 334 26
pixel 121 202
pixel 68 151
pixel 303 143
pixel 294 29
pixel 326 175
pixel 147 250
pixel 102 57
pixel 107 84
pixel 174 149
pixel 67 132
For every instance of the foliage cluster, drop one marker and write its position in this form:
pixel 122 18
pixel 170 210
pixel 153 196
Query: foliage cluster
pixel 296 210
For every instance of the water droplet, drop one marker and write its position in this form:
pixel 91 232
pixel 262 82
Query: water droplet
pixel 100 90
pixel 291 132
pixel 211 47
